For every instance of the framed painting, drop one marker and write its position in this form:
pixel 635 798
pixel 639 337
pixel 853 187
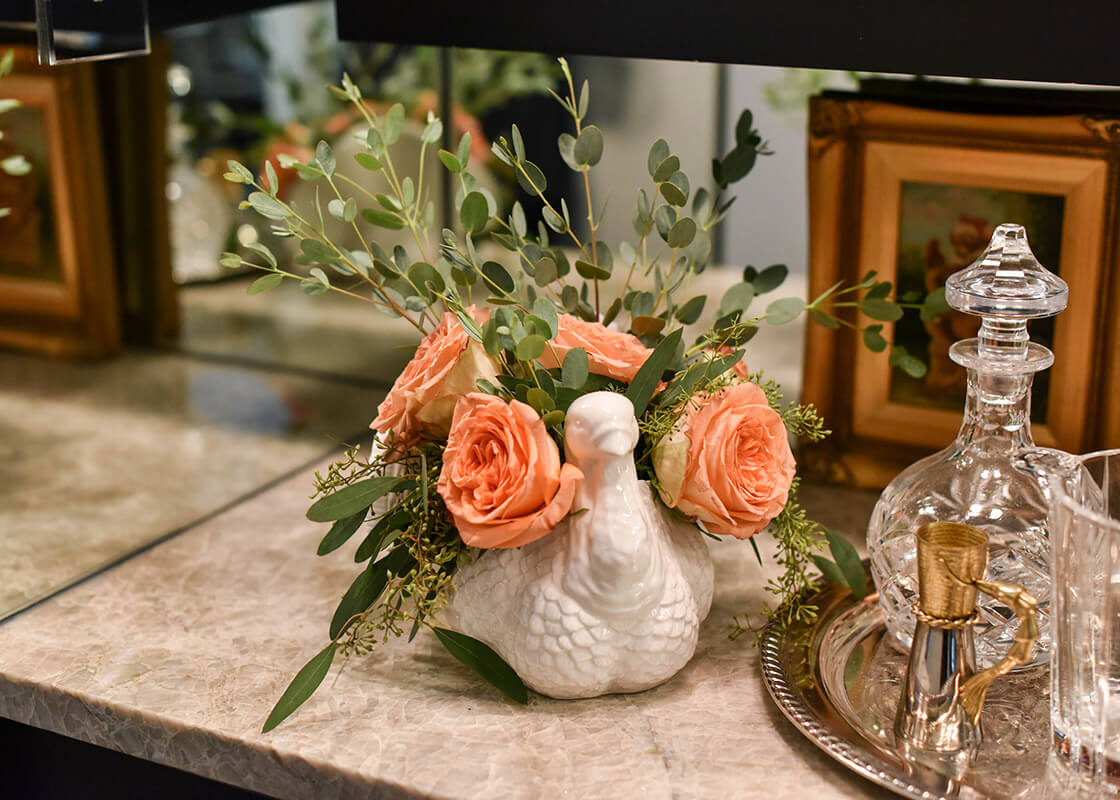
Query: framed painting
pixel 915 194
pixel 57 289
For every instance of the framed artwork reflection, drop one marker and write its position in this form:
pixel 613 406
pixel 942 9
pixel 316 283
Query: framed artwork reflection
pixel 57 288
pixel 915 193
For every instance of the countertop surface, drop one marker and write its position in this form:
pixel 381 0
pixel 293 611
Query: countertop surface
pixel 178 654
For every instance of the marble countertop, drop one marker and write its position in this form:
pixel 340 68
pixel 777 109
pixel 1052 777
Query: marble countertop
pixel 178 654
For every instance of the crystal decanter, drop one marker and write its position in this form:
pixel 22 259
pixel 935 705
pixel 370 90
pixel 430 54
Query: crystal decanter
pixel 973 480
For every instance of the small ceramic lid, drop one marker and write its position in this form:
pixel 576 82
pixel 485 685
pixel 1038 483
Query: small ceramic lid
pixel 1007 281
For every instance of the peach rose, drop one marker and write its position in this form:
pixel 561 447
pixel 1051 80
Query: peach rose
pixel 446 365
pixel 616 355
pixel 502 480
pixel 727 462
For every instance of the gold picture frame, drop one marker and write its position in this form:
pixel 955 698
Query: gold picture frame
pixel 58 294
pixel 882 176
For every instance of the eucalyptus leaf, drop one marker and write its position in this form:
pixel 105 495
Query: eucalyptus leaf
pixel 263 252
pixel 530 177
pixel 682 233
pixel 265 283
pixel 475 212
pixel 658 152
pixel 689 311
pixel 303 685
pixel 770 278
pixel 463 153
pixel 873 339
pixel 498 276
pixel 576 368
pixel 393 124
pixel 354 498
pixel 432 132
pixel 485 662
pixel 382 218
pixel 341 532
pixel 544 309
pixel 268 206
pixel 849 564
pixel 531 347
pixel 450 161
pixel 645 382
pixel 785 310
pixel 884 310
pixel 588 150
pixel 368 161
pixel 324 155
pixel 368 586
pixel 666 168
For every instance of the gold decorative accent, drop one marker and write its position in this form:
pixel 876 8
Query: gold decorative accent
pixel 829 120
pixel 1025 606
pixel 946 624
pixel 1104 128
pixel 947 550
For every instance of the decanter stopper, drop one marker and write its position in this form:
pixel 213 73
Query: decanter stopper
pixel 1005 287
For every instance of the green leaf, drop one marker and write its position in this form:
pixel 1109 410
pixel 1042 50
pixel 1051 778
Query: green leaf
pixel 673 193
pixel 426 278
pixel 645 382
pixel 785 310
pixel 576 368
pixel 341 532
pixel 304 684
pixel 268 206
pixel 242 173
pixel 518 143
pixel 612 311
pixel 532 180
pixel 475 212
pixel 353 498
pixel 873 339
pixel 544 308
pixel 393 124
pixel 738 297
pixel 588 148
pixel 263 252
pixel 498 276
pixel 566 144
pixel 646 326
pixel 591 272
pixel 849 564
pixel 584 100
pixel 485 662
pixel 463 153
pixel 324 155
pixel 451 162
pixel 770 278
pixel 531 347
pixel 743 127
pixel 433 130
pixel 395 520
pixel 934 305
pixel 658 152
pixel 382 218
pixel 270 175
pixel 367 161
pixel 912 366
pixel 682 233
pixel 545 272
pixel 690 311
pixel 823 319
pixel 881 309
pixel 540 400
pixel 666 169
pixel 265 283
pixel 829 570
pixel 663 218
pixel 368 586
pixel 318 252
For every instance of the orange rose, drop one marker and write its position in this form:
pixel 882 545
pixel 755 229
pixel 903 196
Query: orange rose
pixel 502 480
pixel 727 462
pixel 616 355
pixel 446 365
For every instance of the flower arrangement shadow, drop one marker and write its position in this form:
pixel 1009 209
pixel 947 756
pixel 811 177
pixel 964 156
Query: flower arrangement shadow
pixel 545 468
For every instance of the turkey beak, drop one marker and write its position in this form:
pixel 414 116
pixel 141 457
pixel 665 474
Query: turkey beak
pixel 616 442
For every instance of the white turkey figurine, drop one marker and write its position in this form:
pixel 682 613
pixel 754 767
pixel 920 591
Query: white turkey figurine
pixel 612 599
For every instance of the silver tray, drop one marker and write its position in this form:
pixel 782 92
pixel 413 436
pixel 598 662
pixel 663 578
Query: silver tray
pixel 838 680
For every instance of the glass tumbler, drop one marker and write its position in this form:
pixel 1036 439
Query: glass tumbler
pixel 1085 608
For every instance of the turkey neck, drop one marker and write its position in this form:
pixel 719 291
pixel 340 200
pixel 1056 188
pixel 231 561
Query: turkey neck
pixel 612 555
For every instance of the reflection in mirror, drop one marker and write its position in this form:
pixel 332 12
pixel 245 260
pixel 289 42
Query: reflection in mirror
pixel 85 30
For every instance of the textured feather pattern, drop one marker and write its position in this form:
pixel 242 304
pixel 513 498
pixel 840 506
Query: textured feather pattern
pixel 612 599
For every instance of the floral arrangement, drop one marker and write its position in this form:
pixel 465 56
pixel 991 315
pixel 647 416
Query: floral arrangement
pixel 468 451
